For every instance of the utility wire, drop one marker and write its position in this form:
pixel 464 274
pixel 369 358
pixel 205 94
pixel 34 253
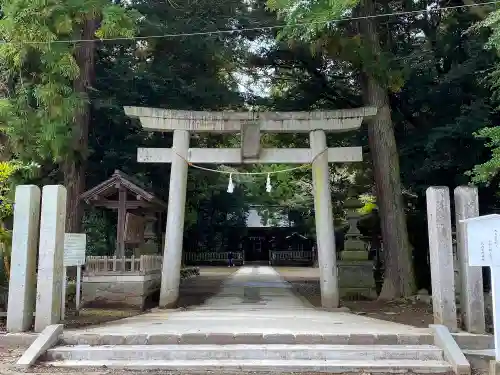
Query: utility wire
pixel 259 28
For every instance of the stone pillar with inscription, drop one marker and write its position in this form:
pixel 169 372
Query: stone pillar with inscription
pixel 51 254
pixel 22 284
pixel 355 270
pixel 441 257
pixel 471 278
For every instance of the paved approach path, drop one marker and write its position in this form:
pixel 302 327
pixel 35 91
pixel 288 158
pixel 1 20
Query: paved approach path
pixel 253 300
pixel 259 287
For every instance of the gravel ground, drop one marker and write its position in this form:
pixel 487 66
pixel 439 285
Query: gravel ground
pixel 305 282
pixel 194 291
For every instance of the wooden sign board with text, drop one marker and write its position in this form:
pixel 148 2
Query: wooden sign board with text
pixel 134 228
pixel 75 245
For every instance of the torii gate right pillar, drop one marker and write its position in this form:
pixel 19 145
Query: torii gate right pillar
pixel 325 235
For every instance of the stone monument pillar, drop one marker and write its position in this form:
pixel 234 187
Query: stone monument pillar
pixel 22 284
pixel 50 259
pixel 172 254
pixel 325 235
pixel 355 270
pixel 441 256
pixel 471 294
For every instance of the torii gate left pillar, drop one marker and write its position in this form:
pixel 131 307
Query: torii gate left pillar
pixel 172 260
pixel 249 125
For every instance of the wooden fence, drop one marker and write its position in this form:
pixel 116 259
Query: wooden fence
pixel 213 257
pixel 290 257
pixel 107 264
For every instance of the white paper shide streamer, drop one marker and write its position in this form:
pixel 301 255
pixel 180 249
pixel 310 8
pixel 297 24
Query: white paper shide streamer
pixel 268 184
pixel 230 185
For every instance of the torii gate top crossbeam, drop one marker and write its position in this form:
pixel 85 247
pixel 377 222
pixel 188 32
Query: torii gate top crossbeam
pixel 342 120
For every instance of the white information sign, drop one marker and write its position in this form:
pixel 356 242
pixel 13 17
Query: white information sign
pixel 483 240
pixel 74 249
pixel 75 245
pixel 483 244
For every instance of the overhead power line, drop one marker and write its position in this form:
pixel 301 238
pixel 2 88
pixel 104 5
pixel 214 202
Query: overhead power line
pixel 260 28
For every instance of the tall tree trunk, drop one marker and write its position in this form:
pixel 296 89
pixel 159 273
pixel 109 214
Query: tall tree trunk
pixel 399 276
pixel 74 168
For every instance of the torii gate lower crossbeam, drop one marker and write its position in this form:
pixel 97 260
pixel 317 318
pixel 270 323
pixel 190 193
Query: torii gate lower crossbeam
pixel 315 123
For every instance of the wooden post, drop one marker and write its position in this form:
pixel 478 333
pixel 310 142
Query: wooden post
pixel 63 294
pixel 78 288
pixel 120 227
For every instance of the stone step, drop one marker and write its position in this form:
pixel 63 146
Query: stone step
pixel 269 366
pixel 474 341
pixel 480 358
pixel 244 352
pixel 251 338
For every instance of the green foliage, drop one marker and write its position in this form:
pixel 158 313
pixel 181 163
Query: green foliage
pixel 305 19
pixel 439 100
pixel 492 22
pixel 70 292
pixel 437 142
pixel 6 202
pixel 11 172
pixel 101 232
pixel 485 172
pixel 188 73
pixel 312 22
pixel 38 69
pixel 5 243
pixel 369 204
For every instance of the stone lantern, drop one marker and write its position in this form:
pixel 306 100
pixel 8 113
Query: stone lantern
pixel 356 278
pixel 354 247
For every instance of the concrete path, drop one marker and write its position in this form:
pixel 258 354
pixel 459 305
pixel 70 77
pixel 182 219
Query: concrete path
pixel 259 287
pixel 253 300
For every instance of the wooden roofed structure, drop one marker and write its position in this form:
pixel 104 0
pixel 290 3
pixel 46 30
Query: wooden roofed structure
pixel 126 195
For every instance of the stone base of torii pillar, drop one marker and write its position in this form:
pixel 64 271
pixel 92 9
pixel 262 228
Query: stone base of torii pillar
pixel 249 125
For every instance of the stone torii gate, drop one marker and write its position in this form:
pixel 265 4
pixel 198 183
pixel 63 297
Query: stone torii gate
pixel 249 125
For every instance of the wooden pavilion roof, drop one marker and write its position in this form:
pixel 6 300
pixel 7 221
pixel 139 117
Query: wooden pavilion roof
pixel 106 194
